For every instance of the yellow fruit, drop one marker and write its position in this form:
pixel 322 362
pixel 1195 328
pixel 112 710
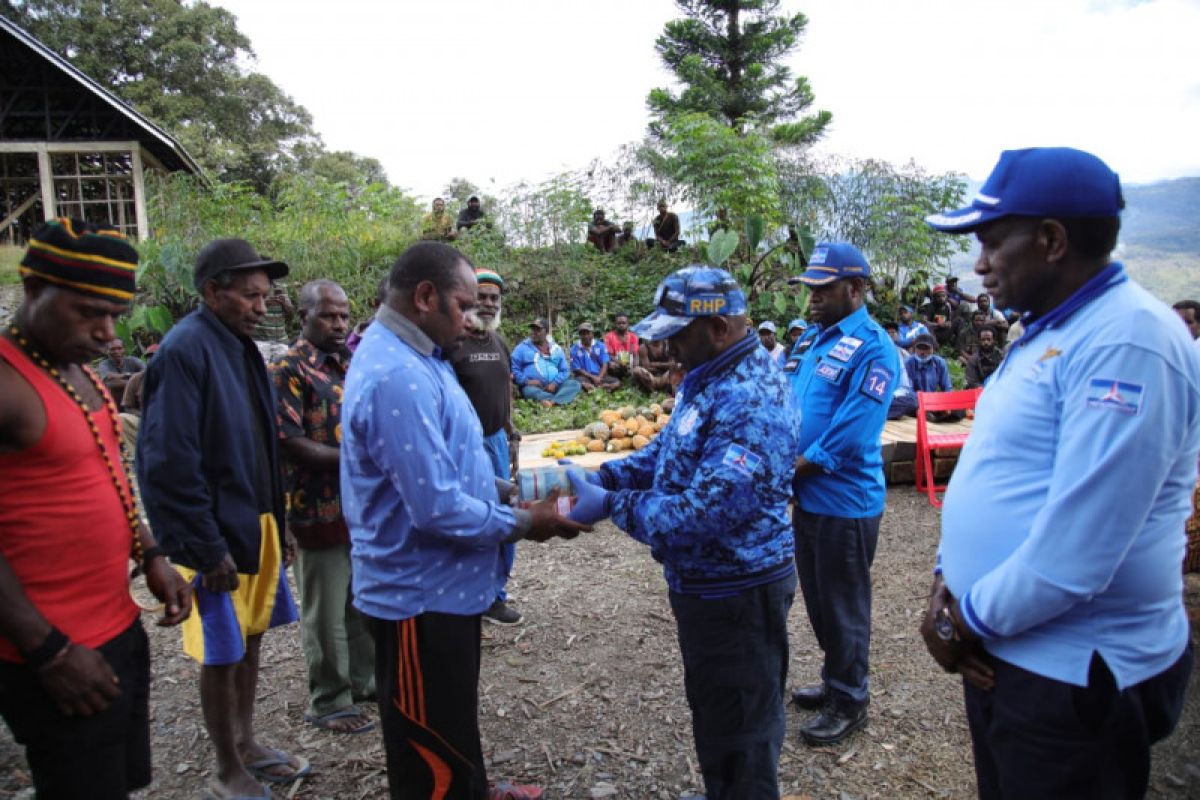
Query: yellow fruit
pixel 646 430
pixel 640 441
pixel 595 446
pixel 628 412
pixel 655 409
pixel 619 431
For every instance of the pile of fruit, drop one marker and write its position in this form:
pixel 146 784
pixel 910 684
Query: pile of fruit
pixel 617 430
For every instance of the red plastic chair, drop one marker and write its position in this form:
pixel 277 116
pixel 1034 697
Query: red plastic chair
pixel 928 442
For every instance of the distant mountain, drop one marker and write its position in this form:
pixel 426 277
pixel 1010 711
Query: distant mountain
pixel 1163 216
pixel 1160 239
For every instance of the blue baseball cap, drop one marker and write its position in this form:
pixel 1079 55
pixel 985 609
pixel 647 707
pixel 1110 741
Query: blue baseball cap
pixel 831 261
pixel 687 294
pixel 1039 182
pixel 797 323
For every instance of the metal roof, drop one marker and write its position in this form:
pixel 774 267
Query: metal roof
pixel 164 146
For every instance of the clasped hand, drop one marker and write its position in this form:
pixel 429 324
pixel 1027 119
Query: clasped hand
pixel 962 654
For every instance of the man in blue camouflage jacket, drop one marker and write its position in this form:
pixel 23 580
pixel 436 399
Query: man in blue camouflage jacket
pixel 710 497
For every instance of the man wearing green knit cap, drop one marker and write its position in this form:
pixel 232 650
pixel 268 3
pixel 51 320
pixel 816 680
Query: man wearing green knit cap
pixel 481 363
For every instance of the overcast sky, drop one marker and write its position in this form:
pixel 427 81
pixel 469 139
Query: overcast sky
pixel 505 90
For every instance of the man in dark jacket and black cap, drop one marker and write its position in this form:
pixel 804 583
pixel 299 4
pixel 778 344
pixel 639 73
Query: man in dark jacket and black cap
pixel 209 472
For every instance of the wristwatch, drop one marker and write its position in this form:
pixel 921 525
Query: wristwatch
pixel 943 626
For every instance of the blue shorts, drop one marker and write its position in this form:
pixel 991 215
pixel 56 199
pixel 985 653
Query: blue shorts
pixel 215 633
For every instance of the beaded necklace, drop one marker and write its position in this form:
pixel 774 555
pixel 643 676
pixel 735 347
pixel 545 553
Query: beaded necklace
pixel 126 497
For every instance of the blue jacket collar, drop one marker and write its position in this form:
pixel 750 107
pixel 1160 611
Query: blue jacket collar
pixel 849 323
pixel 1107 278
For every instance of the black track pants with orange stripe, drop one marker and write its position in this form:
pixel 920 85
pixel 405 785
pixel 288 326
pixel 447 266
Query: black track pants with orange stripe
pixel 427 677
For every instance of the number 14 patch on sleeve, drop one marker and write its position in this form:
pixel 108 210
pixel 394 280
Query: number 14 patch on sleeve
pixel 876 383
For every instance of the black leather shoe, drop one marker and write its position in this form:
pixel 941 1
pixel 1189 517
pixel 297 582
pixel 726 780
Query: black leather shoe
pixel 810 698
pixel 836 721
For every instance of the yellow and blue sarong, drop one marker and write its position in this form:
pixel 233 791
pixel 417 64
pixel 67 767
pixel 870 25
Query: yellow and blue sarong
pixel 216 630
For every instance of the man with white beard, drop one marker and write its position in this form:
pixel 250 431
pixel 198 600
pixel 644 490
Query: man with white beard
pixel 482 366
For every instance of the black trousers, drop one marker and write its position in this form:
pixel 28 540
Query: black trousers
pixel 427 679
pixel 833 559
pixel 735 660
pixel 1035 737
pixel 101 757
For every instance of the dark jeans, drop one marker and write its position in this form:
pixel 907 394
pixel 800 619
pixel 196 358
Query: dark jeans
pixel 427 678
pixel 833 559
pixel 902 405
pixel 735 659
pixel 101 757
pixel 1035 737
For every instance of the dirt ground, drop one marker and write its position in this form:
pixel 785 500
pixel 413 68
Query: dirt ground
pixel 585 697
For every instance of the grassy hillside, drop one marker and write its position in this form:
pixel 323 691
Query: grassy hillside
pixel 9 258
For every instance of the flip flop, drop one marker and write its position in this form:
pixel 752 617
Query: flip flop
pixel 261 769
pixel 506 790
pixel 323 722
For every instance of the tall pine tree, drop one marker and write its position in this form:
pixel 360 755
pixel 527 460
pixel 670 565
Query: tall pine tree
pixel 727 55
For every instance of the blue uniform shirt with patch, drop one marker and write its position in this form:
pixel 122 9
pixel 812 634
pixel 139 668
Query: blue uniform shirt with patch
pixel 1063 526
pixel 843 384
pixel 709 494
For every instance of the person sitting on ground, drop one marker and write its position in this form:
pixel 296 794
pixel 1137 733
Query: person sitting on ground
pixel 627 237
pixel 117 369
pixel 438 224
pixel 766 335
pixel 622 347
pixel 601 233
pixel 721 223
pixel 471 216
pixel 795 330
pixel 929 373
pixel 966 341
pixel 131 411
pixel 666 229
pixel 589 361
pixel 955 296
pixel 938 316
pixel 995 317
pixel 656 370
pixel 908 328
pixel 904 399
pixel 985 360
pixel 893 332
pixel 540 368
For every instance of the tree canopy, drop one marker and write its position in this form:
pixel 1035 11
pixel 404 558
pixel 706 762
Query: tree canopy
pixel 727 55
pixel 181 64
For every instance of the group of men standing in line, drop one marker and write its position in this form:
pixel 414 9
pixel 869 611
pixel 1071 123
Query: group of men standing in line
pixel 1057 591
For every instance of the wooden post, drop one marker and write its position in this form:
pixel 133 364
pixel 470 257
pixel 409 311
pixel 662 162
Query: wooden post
pixel 139 195
pixel 46 174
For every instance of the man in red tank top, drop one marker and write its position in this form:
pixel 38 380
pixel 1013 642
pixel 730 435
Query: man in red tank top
pixel 74 662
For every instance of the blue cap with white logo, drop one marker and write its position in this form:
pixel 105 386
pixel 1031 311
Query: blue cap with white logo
pixel 797 323
pixel 688 293
pixel 831 261
pixel 1039 182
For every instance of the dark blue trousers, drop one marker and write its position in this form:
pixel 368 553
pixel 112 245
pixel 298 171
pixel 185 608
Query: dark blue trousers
pixel 735 659
pixel 833 559
pixel 1035 737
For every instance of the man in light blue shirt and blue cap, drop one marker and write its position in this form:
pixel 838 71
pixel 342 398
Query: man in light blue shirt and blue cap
pixel 1058 590
pixel 710 497
pixel 843 383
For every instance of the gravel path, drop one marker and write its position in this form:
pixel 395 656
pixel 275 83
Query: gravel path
pixel 586 696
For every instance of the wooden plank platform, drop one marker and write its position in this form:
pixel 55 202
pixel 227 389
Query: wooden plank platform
pixel 899 449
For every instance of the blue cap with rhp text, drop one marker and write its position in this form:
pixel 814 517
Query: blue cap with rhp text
pixel 688 293
pixel 831 261
pixel 1039 182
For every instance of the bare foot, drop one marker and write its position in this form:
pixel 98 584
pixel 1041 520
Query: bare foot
pixel 547 404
